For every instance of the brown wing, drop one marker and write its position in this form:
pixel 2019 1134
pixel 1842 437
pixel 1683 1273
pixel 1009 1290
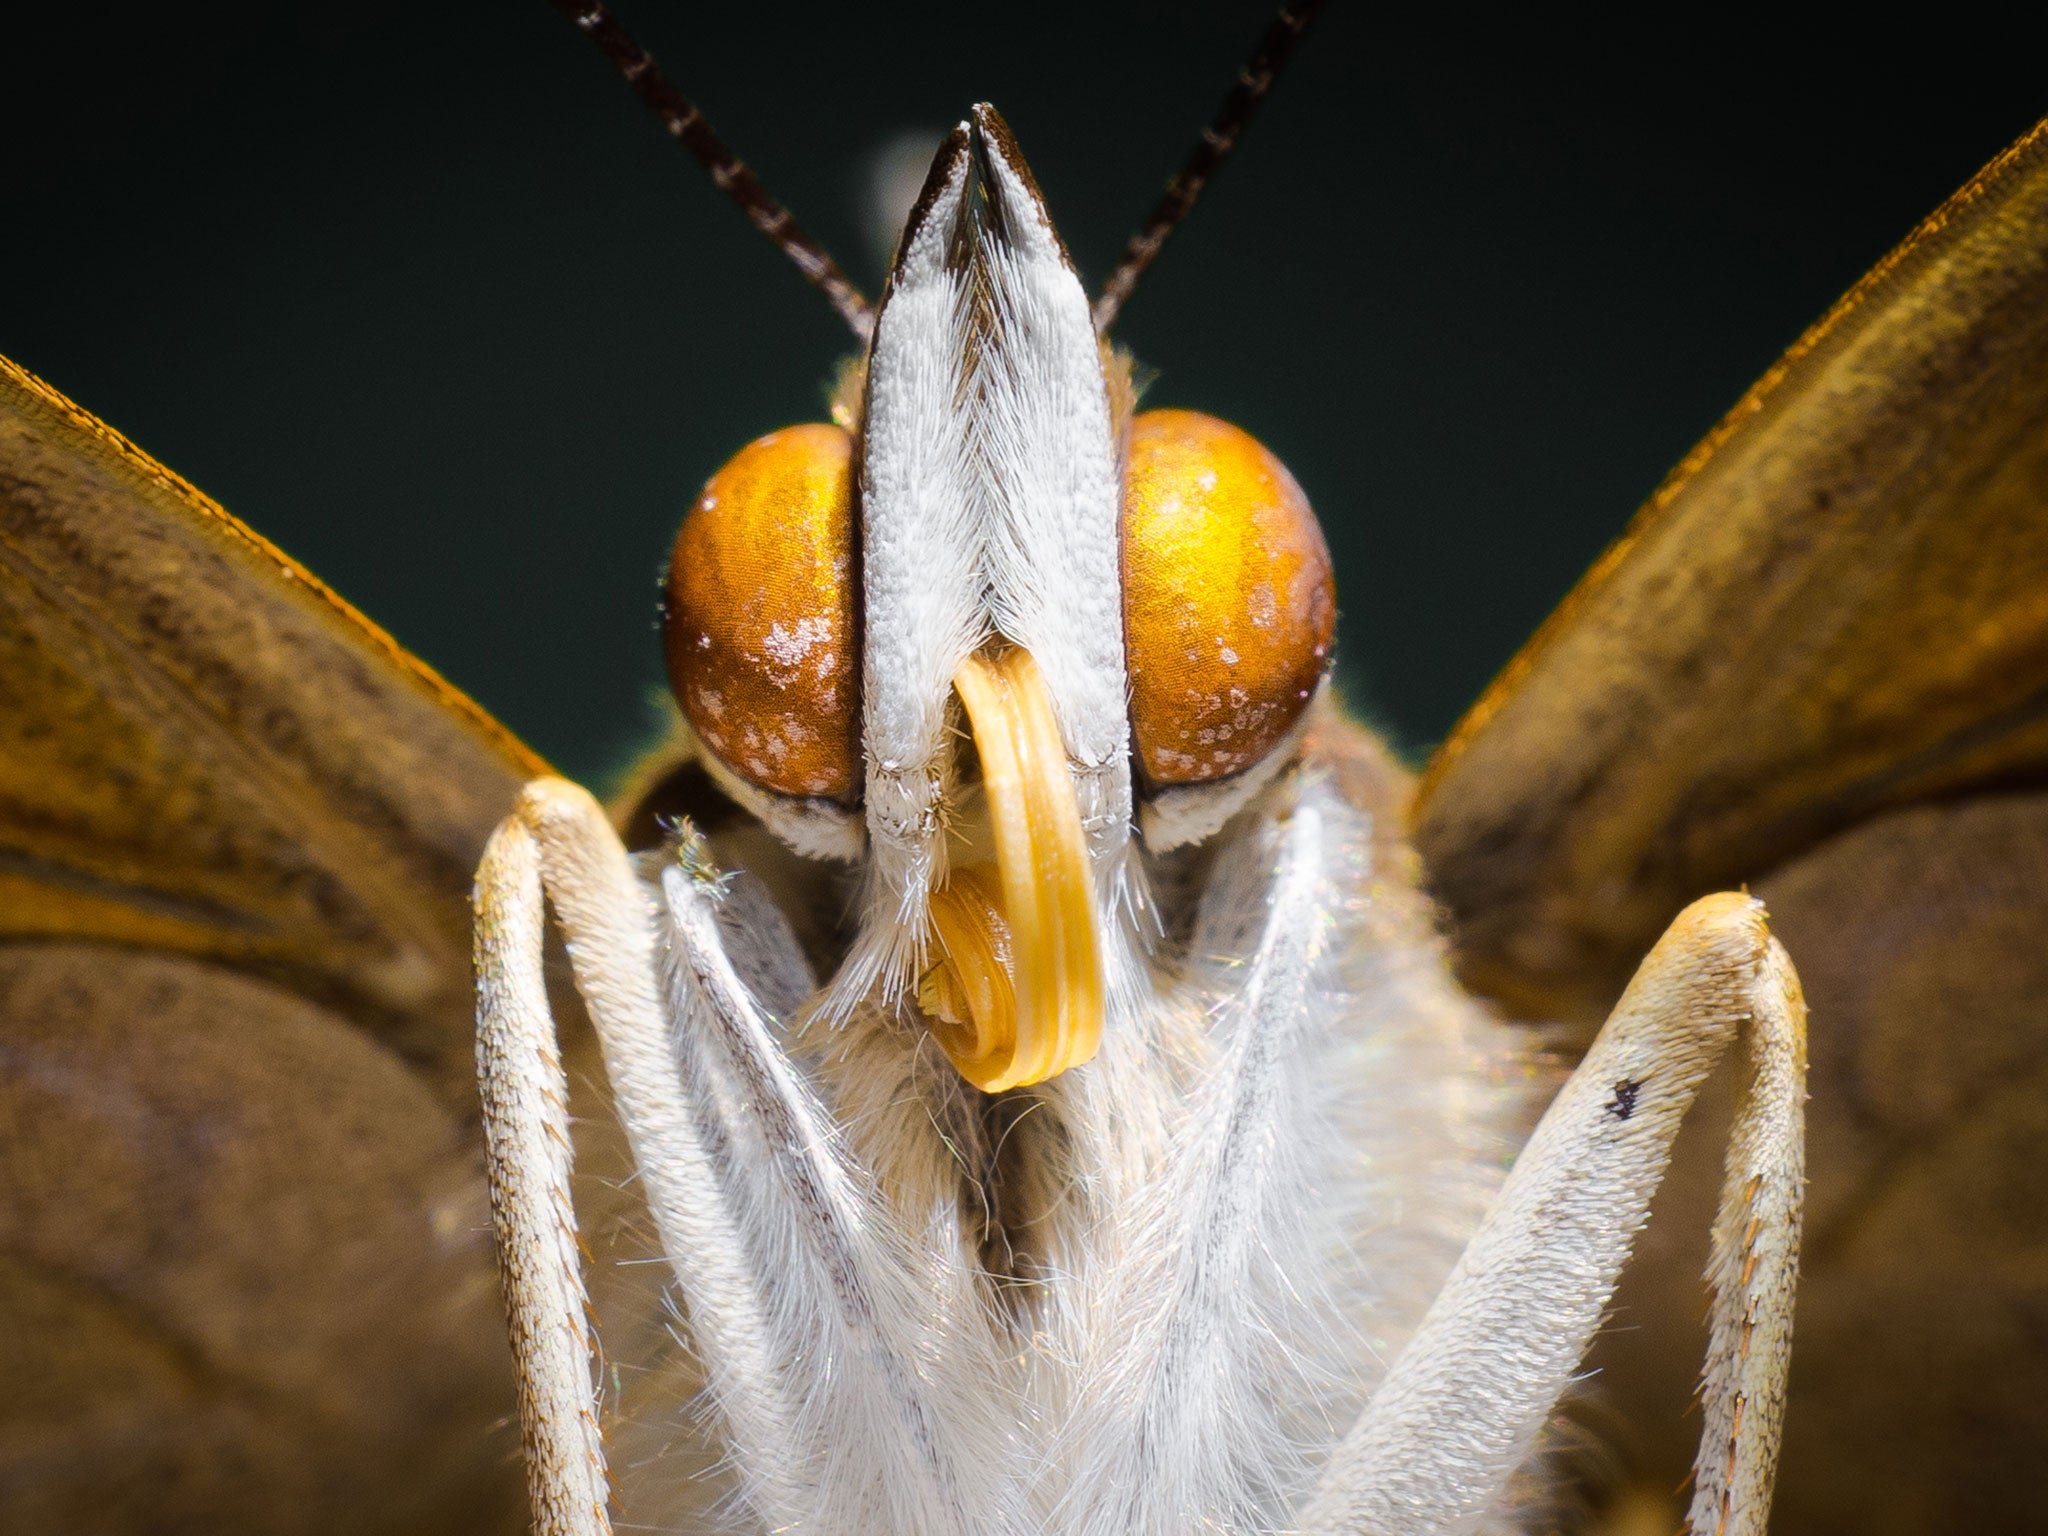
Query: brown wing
pixel 1838 603
pixel 1818 661
pixel 245 1280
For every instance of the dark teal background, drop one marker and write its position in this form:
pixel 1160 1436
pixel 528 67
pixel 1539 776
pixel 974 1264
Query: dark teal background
pixel 423 293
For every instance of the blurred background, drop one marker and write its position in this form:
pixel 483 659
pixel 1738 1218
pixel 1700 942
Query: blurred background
pixel 424 294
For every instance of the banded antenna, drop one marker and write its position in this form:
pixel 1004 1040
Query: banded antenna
pixel 1216 142
pixel 685 122
pixel 679 115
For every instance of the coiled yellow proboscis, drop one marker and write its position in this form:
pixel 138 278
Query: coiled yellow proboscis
pixel 1015 991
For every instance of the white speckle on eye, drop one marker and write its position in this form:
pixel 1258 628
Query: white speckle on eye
pixel 708 501
pixel 787 646
pixel 703 642
pixel 1262 606
pixel 1206 479
pixel 1229 656
pixel 826 663
pixel 712 702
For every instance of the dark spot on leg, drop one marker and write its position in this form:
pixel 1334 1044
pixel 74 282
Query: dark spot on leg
pixel 1623 1104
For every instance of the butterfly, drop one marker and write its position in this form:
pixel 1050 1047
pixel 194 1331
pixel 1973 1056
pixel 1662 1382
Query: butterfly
pixel 275 963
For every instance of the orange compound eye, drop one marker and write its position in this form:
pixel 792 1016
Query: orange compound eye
pixel 1229 602
pixel 758 621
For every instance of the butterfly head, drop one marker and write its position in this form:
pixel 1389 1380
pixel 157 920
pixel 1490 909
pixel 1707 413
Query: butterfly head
pixel 997 638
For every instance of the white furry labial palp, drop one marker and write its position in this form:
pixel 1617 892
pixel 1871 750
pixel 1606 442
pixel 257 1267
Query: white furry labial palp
pixel 989 505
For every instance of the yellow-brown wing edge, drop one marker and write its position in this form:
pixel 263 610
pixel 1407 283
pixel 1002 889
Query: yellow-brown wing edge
pixel 528 762
pixel 244 1247
pixel 1752 404
pixel 1577 805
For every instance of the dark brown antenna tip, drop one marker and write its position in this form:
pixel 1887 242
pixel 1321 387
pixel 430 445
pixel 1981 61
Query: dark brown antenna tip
pixel 680 116
pixel 1218 139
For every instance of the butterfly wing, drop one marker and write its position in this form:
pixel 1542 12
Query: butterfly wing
pixel 1818 662
pixel 245 1274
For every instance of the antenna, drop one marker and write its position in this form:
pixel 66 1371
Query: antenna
pixel 1217 140
pixel 680 116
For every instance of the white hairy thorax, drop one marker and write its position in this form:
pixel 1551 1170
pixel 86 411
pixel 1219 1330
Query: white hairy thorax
pixel 1154 1293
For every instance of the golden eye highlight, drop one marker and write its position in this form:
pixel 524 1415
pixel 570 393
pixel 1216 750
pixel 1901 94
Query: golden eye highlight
pixel 758 622
pixel 1230 605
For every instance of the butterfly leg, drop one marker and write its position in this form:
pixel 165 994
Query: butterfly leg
pixel 557 839
pixel 896 1350
pixel 1168 1428
pixel 525 1097
pixel 1465 1399
pixel 820 1352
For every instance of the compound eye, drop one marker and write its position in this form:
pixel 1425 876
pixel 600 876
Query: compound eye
pixel 1229 601
pixel 758 617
